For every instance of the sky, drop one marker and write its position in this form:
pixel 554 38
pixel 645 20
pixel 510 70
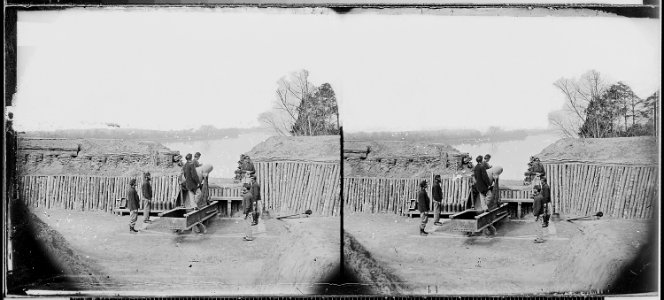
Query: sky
pixel 179 68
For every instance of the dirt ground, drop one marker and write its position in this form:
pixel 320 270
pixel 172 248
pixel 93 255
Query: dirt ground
pixel 290 256
pixel 584 256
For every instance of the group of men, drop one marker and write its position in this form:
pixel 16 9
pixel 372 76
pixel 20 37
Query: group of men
pixel 535 169
pixel 192 185
pixel 244 166
pixel 481 197
pixel 133 203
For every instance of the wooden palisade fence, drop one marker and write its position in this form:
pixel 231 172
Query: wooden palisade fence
pixel 392 195
pixel 619 191
pixel 297 186
pixel 99 192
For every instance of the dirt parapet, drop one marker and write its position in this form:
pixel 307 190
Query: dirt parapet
pixel 47 156
pixel 376 276
pixel 400 159
pixel 302 262
pixel 599 255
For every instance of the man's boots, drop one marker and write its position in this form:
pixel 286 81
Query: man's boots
pixel 422 232
pixel 132 230
pixel 255 218
pixel 546 220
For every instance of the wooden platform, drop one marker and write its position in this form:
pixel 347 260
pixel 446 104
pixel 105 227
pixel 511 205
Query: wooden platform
pixel 518 201
pixel 229 201
pixel 412 212
pixel 123 211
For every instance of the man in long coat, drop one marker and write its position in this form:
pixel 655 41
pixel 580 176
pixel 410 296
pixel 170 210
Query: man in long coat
pixel 437 194
pixel 423 207
pixel 132 205
pixel 146 190
pixel 192 182
pixel 482 184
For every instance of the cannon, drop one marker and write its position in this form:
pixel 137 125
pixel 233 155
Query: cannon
pixel 181 218
pixel 471 220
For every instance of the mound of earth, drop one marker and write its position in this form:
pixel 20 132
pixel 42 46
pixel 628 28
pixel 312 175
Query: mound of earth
pixel 297 148
pixel 625 150
pixel 400 159
pixel 304 261
pixel 48 156
pixel 596 258
pixel 43 259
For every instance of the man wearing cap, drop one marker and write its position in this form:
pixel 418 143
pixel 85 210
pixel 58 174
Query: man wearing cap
pixel 146 190
pixel 482 183
pixel 423 206
pixel 247 204
pixel 192 182
pixel 487 158
pixel 437 194
pixel 132 204
pixel 538 211
pixel 256 197
pixel 197 163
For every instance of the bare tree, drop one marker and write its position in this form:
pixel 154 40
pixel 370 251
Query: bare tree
pixel 291 92
pixel 579 94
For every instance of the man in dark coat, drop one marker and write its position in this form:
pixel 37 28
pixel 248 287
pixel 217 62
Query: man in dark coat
pixel 423 206
pixel 146 190
pixel 256 196
pixel 133 205
pixel 538 211
pixel 482 183
pixel 192 182
pixel 437 194
pixel 248 205
pixel 546 195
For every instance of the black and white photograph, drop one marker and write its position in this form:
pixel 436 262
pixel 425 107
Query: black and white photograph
pixel 503 155
pixel 174 151
pixel 239 150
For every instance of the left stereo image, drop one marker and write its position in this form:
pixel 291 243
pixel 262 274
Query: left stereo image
pixel 170 152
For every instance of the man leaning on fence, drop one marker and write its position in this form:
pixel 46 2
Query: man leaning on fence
pixel 132 204
pixel 423 206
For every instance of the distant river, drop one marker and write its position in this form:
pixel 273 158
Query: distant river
pixel 223 154
pixel 511 155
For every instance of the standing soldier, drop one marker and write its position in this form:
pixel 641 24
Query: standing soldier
pixel 247 203
pixel 132 204
pixel 146 190
pixel 256 197
pixel 423 206
pixel 538 211
pixel 546 197
pixel 437 194
pixel 482 183
pixel 192 182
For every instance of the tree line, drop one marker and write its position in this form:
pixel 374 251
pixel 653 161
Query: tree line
pixel 596 108
pixel 202 133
